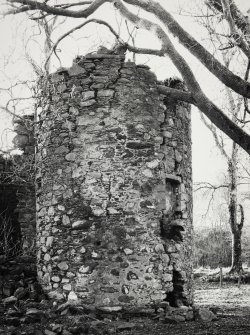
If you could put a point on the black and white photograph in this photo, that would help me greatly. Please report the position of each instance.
(124, 167)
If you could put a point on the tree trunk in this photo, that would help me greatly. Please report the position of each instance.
(235, 224)
(236, 252)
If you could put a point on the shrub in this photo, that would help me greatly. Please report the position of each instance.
(212, 248)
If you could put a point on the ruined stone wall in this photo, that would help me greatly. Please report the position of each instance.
(113, 187)
(18, 216)
(9, 228)
(17, 191)
(24, 167)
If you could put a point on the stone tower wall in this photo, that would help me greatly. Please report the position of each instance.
(114, 203)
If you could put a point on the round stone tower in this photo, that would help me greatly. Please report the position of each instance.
(114, 197)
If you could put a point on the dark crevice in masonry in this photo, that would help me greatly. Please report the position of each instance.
(176, 297)
(10, 230)
(169, 228)
(176, 166)
(172, 232)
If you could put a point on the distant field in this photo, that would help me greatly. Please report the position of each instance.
(229, 298)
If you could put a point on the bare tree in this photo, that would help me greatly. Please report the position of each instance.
(18, 94)
(238, 29)
(234, 171)
(239, 109)
(234, 207)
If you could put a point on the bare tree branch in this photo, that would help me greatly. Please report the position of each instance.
(35, 5)
(206, 185)
(7, 110)
(18, 10)
(228, 16)
(215, 114)
(200, 100)
(174, 93)
(228, 78)
(215, 136)
(129, 47)
(80, 3)
(238, 38)
(239, 19)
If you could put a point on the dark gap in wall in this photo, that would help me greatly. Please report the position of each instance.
(176, 297)
(10, 231)
(171, 231)
(175, 234)
(176, 166)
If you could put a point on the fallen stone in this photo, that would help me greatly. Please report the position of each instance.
(65, 306)
(125, 326)
(179, 318)
(20, 293)
(9, 300)
(55, 295)
(75, 330)
(49, 332)
(170, 319)
(56, 328)
(205, 314)
(164, 304)
(109, 308)
(32, 311)
(66, 332)
(38, 332)
(190, 315)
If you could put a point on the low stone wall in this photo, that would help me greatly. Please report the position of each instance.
(10, 234)
(17, 194)
(114, 203)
